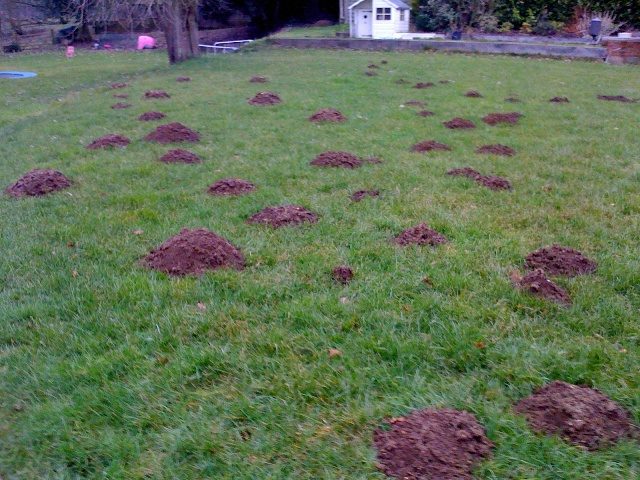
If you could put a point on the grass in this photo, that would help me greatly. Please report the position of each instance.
(312, 32)
(108, 370)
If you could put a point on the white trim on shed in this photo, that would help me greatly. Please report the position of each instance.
(378, 18)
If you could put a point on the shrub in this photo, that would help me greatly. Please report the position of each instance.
(544, 27)
(435, 15)
(506, 27)
(12, 48)
(488, 23)
(525, 27)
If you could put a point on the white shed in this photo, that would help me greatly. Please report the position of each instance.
(379, 18)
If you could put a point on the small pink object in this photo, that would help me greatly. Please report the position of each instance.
(146, 42)
(71, 51)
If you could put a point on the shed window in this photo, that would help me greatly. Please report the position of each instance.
(402, 15)
(383, 14)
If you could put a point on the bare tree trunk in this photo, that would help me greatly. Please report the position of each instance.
(177, 19)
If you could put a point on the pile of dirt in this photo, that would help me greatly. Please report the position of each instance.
(371, 73)
(337, 159)
(342, 274)
(258, 79)
(579, 414)
(414, 103)
(183, 79)
(438, 444)
(616, 98)
(459, 123)
(38, 182)
(265, 98)
(156, 94)
(373, 65)
(425, 113)
(120, 106)
(121, 95)
(421, 85)
(328, 115)
(231, 187)
(496, 149)
(384, 62)
(430, 145)
(494, 182)
(283, 215)
(150, 116)
(473, 94)
(420, 235)
(464, 172)
(119, 85)
(512, 100)
(180, 156)
(360, 194)
(107, 141)
(557, 260)
(538, 284)
(192, 252)
(173, 133)
(559, 100)
(496, 118)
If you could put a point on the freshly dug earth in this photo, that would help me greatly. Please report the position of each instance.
(156, 94)
(473, 94)
(192, 252)
(150, 116)
(538, 284)
(328, 115)
(337, 160)
(259, 79)
(107, 141)
(121, 95)
(231, 187)
(430, 145)
(465, 172)
(119, 85)
(425, 113)
(38, 182)
(360, 194)
(172, 133)
(373, 65)
(420, 235)
(557, 260)
(120, 106)
(616, 98)
(371, 73)
(283, 215)
(180, 156)
(421, 85)
(342, 274)
(559, 100)
(496, 149)
(496, 118)
(414, 103)
(459, 123)
(579, 414)
(265, 98)
(494, 182)
(432, 444)
(183, 79)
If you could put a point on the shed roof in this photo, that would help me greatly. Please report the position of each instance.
(396, 3)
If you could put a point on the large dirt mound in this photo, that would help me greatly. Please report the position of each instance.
(108, 141)
(437, 444)
(192, 252)
(616, 98)
(496, 118)
(283, 215)
(496, 149)
(258, 79)
(342, 274)
(559, 100)
(180, 156)
(473, 94)
(38, 182)
(265, 98)
(422, 85)
(151, 116)
(579, 414)
(156, 94)
(328, 115)
(119, 85)
(459, 123)
(429, 146)
(173, 133)
(337, 160)
(231, 187)
(120, 106)
(360, 194)
(538, 284)
(420, 235)
(557, 260)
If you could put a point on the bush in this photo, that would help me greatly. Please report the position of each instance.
(12, 48)
(544, 27)
(435, 16)
(525, 27)
(488, 23)
(506, 27)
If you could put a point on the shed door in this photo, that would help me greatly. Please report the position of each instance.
(364, 23)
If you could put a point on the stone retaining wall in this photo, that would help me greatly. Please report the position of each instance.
(622, 50)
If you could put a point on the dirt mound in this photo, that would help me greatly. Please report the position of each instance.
(557, 260)
(265, 98)
(120, 106)
(422, 85)
(465, 172)
(496, 118)
(337, 159)
(473, 94)
(150, 116)
(615, 98)
(121, 95)
(559, 100)
(183, 79)
(180, 156)
(438, 444)
(496, 149)
(342, 274)
(489, 181)
(430, 145)
(371, 73)
(425, 113)
(414, 103)
(107, 141)
(328, 115)
(512, 100)
(38, 182)
(373, 65)
(538, 284)
(192, 252)
(459, 123)
(360, 194)
(156, 94)
(258, 79)
(579, 414)
(231, 187)
(172, 133)
(283, 215)
(384, 62)
(420, 235)
(119, 85)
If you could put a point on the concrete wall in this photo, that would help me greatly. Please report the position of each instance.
(622, 50)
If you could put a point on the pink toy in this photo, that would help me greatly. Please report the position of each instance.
(146, 42)
(71, 51)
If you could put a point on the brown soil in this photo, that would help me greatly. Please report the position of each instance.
(557, 260)
(111, 140)
(150, 116)
(465, 172)
(473, 94)
(579, 414)
(421, 85)
(559, 100)
(327, 115)
(121, 95)
(494, 182)
(371, 73)
(337, 159)
(538, 284)
(430, 145)
(119, 85)
(258, 79)
(342, 274)
(420, 235)
(183, 79)
(615, 98)
(459, 123)
(496, 118)
(283, 215)
(373, 65)
(512, 100)
(231, 187)
(180, 156)
(425, 113)
(384, 62)
(156, 94)
(265, 98)
(192, 252)
(38, 182)
(414, 103)
(496, 149)
(172, 133)
(120, 106)
(360, 194)
(437, 444)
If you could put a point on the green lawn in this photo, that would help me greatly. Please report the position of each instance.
(311, 32)
(114, 372)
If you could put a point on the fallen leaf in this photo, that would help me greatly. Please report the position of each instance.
(480, 345)
(71, 244)
(201, 306)
(427, 281)
(334, 352)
